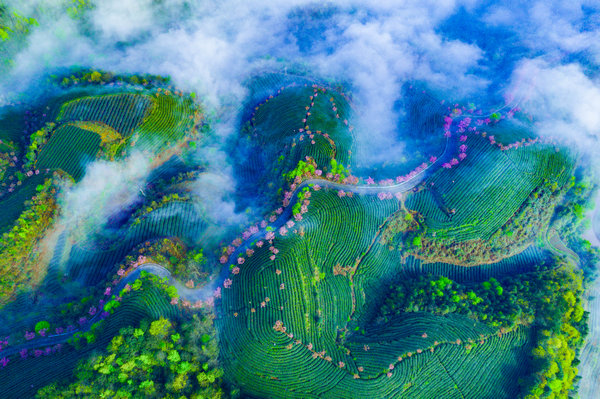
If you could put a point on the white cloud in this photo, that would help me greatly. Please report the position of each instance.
(121, 20)
(562, 99)
(106, 188)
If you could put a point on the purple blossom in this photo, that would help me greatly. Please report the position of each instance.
(92, 311)
(463, 138)
(454, 161)
(462, 155)
(446, 165)
(270, 235)
(463, 148)
(82, 320)
(4, 361)
(432, 159)
(29, 335)
(23, 353)
(370, 180)
(108, 289)
(59, 330)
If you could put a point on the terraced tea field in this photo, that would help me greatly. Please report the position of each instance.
(297, 296)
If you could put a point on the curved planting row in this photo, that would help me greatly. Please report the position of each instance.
(485, 180)
(69, 149)
(123, 111)
(291, 317)
(173, 220)
(171, 118)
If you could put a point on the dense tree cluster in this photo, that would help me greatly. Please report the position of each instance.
(157, 359)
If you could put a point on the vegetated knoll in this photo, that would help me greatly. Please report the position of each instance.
(298, 318)
(111, 125)
(298, 123)
(486, 208)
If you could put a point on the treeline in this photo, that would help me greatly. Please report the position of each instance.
(84, 77)
(571, 219)
(549, 301)
(19, 263)
(157, 359)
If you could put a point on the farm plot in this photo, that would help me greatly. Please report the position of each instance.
(69, 149)
(475, 198)
(168, 121)
(123, 111)
(292, 319)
